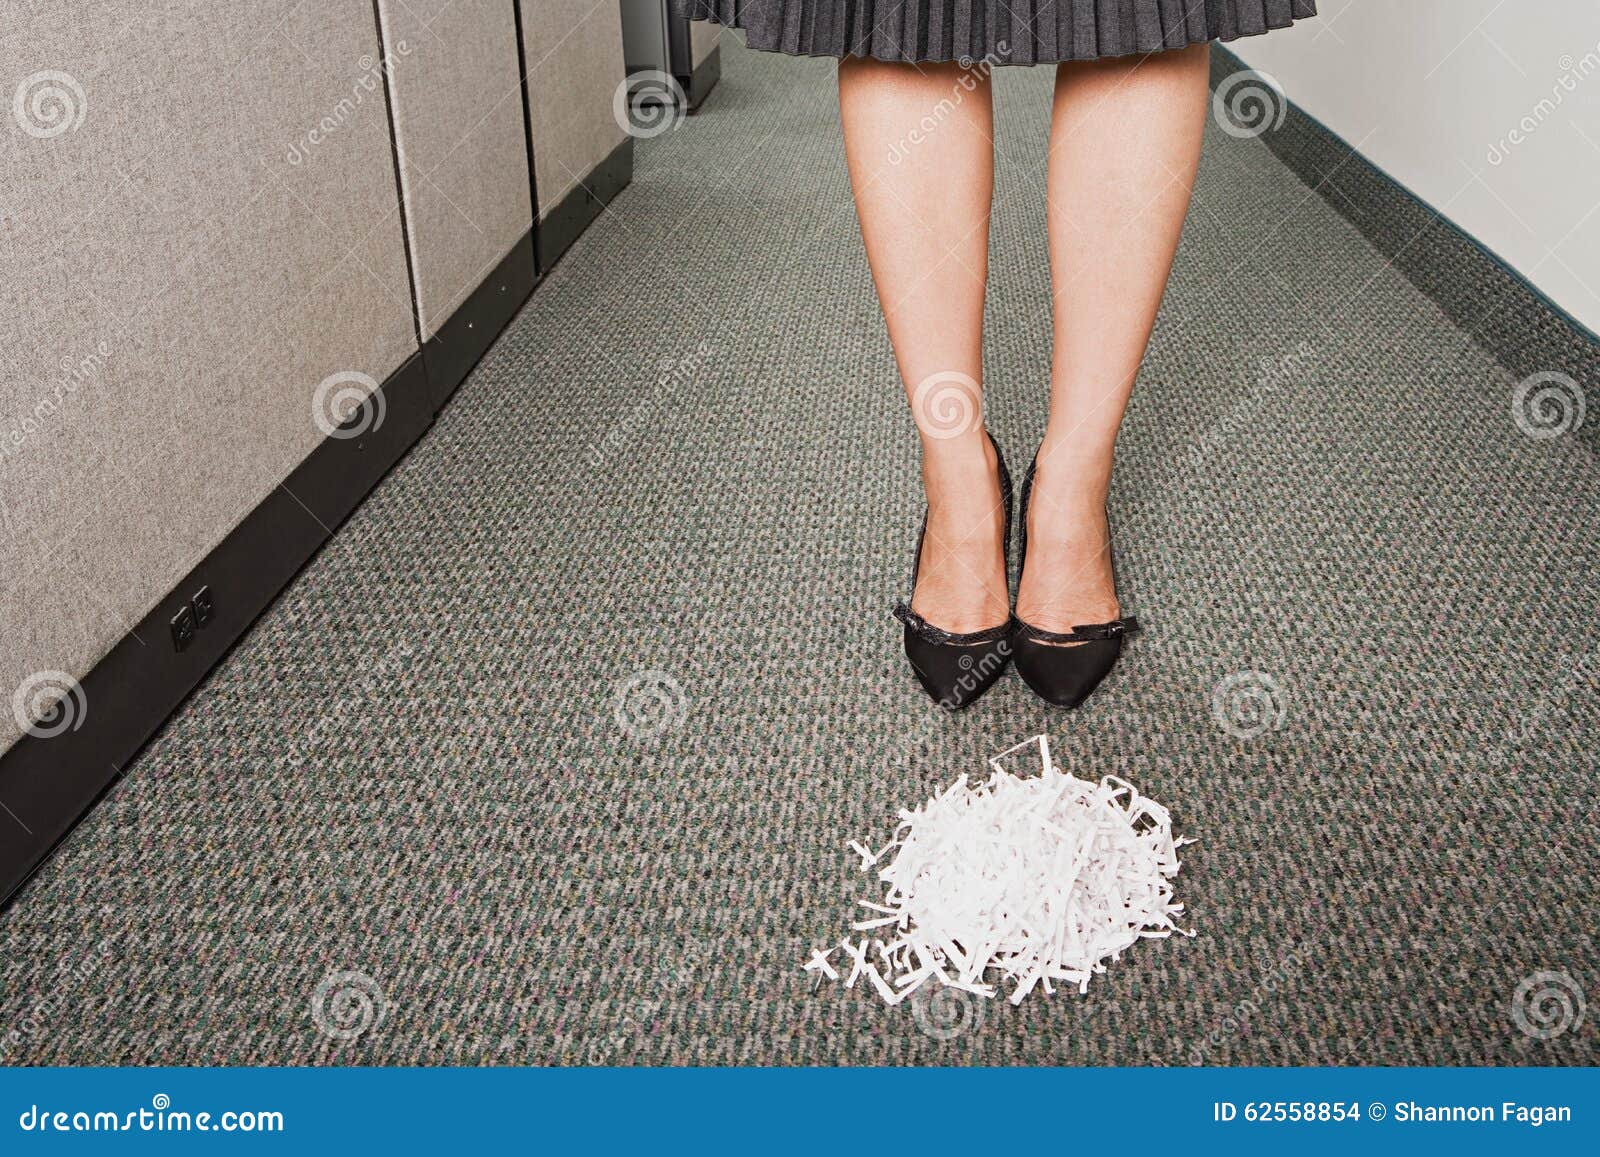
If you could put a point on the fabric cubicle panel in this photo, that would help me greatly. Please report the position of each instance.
(704, 37)
(573, 50)
(202, 246)
(456, 89)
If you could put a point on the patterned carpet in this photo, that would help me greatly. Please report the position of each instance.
(690, 440)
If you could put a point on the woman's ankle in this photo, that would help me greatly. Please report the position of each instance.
(1070, 473)
(959, 460)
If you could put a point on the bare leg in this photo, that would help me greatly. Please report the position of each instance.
(1125, 144)
(918, 142)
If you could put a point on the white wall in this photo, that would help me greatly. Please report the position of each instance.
(1489, 110)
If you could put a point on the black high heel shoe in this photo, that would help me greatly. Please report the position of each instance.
(956, 669)
(1064, 667)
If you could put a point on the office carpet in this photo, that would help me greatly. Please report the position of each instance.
(551, 756)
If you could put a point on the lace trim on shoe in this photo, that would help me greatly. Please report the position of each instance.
(1090, 633)
(929, 633)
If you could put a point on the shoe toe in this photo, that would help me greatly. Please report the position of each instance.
(954, 676)
(1066, 675)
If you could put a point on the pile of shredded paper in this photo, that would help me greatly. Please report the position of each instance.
(1032, 879)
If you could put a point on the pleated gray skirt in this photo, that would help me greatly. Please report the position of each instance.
(997, 31)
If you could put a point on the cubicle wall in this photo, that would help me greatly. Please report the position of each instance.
(573, 55)
(655, 39)
(183, 267)
(705, 60)
(461, 146)
(704, 39)
(234, 290)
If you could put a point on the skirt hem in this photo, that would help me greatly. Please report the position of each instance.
(998, 62)
(901, 32)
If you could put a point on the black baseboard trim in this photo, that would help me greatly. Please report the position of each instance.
(699, 83)
(578, 209)
(450, 354)
(48, 782)
(1491, 302)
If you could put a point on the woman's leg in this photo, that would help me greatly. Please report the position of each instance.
(918, 142)
(1125, 142)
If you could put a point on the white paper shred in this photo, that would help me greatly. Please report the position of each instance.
(1019, 881)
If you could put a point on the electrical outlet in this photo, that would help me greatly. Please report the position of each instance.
(203, 606)
(183, 627)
